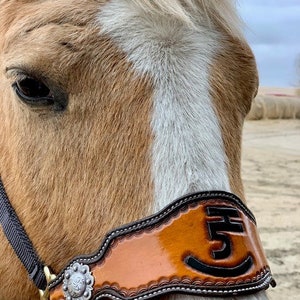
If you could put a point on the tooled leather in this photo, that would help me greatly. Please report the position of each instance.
(152, 256)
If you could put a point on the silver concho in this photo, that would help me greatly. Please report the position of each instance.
(78, 282)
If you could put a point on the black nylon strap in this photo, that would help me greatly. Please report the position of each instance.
(20, 241)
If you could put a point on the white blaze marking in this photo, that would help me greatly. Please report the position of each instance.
(188, 152)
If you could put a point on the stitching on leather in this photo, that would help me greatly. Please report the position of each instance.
(213, 195)
(193, 291)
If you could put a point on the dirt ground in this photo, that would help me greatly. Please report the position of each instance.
(271, 173)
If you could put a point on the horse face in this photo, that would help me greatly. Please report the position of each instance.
(93, 135)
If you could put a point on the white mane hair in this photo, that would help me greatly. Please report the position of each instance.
(221, 12)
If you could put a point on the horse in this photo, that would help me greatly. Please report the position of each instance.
(109, 111)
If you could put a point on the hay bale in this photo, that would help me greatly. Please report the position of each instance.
(257, 109)
(274, 107)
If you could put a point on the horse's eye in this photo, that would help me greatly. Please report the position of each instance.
(33, 91)
(33, 88)
(39, 92)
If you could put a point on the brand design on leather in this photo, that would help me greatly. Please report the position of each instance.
(205, 244)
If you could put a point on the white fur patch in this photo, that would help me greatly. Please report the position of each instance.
(188, 152)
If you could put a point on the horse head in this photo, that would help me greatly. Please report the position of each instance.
(110, 110)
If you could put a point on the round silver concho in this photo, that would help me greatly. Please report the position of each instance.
(78, 282)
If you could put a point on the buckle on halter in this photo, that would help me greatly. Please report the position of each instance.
(44, 294)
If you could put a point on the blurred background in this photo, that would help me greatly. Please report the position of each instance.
(273, 31)
(271, 140)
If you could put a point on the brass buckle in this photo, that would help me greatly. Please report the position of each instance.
(44, 295)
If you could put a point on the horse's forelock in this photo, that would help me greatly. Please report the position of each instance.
(222, 13)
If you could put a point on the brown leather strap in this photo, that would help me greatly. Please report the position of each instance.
(205, 244)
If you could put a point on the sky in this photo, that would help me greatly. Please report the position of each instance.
(273, 32)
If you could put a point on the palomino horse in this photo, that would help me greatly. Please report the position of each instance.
(110, 110)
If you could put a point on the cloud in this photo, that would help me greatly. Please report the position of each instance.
(273, 31)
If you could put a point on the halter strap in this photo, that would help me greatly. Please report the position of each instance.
(203, 244)
(20, 241)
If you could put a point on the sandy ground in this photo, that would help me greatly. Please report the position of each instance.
(271, 173)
